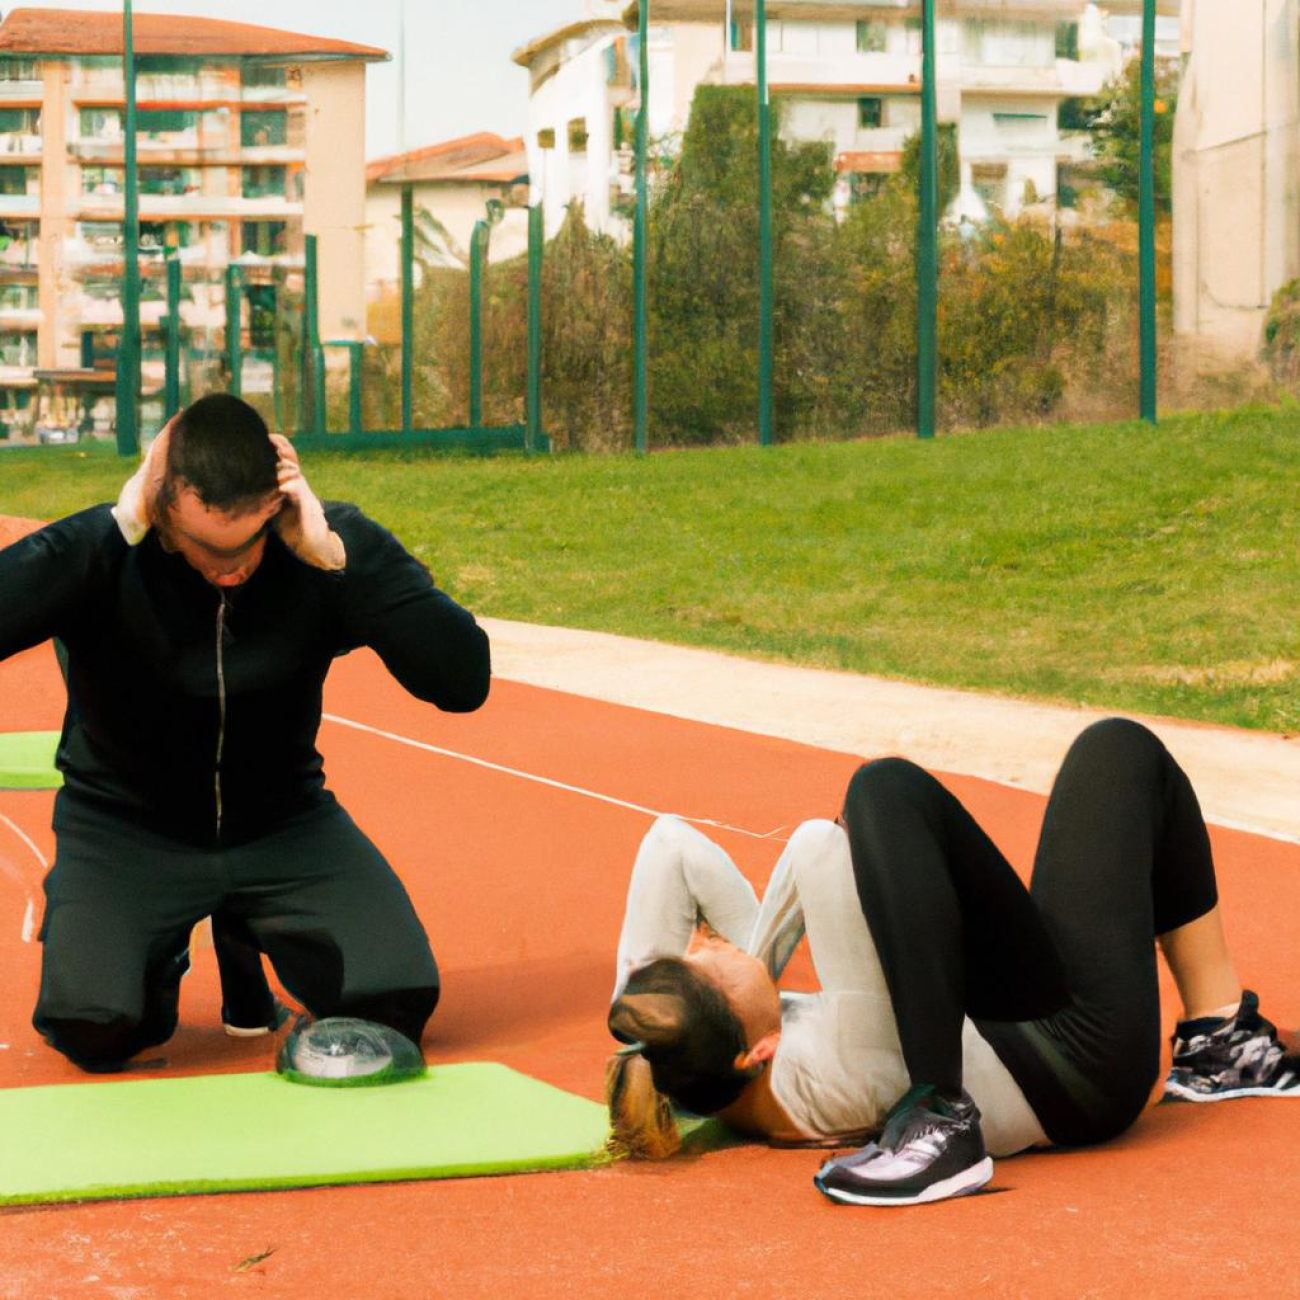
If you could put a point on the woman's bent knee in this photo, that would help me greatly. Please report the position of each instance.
(885, 778)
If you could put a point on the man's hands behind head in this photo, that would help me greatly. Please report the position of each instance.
(301, 522)
(136, 510)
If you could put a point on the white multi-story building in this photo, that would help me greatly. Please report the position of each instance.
(1236, 168)
(845, 73)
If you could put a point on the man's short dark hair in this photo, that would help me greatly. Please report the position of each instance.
(221, 447)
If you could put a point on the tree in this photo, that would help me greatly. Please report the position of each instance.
(1114, 121)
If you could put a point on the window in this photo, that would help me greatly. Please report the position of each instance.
(170, 180)
(990, 183)
(914, 34)
(871, 112)
(263, 182)
(101, 123)
(18, 243)
(18, 349)
(265, 238)
(261, 74)
(998, 43)
(153, 123)
(1067, 41)
(158, 236)
(102, 180)
(872, 36)
(261, 315)
(866, 185)
(18, 297)
(262, 127)
(578, 135)
(1020, 123)
(13, 180)
(742, 35)
(18, 70)
(20, 121)
(101, 236)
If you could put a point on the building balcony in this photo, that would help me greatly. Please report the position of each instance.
(20, 255)
(184, 207)
(25, 91)
(26, 146)
(24, 206)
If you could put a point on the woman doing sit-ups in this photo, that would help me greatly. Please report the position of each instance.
(959, 1013)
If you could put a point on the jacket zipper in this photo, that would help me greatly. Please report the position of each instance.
(221, 705)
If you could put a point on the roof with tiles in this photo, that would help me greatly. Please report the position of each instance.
(481, 157)
(71, 32)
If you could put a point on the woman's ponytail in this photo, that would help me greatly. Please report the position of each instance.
(640, 1117)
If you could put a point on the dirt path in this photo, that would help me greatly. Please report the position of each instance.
(1247, 780)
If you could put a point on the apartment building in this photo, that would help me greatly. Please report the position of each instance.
(845, 73)
(248, 138)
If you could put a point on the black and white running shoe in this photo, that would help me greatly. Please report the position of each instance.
(1217, 1059)
(931, 1149)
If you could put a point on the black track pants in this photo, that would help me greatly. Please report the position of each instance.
(1060, 978)
(315, 895)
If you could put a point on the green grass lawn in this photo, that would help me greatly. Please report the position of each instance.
(1133, 568)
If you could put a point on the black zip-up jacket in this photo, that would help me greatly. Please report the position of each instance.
(193, 710)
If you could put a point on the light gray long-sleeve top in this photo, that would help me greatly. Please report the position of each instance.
(839, 1066)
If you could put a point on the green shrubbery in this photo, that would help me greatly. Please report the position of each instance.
(1025, 318)
(1282, 335)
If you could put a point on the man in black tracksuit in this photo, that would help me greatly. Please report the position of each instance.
(199, 617)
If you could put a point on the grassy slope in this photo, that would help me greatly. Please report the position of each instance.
(1117, 565)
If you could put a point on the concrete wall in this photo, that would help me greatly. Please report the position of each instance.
(334, 201)
(456, 206)
(1236, 169)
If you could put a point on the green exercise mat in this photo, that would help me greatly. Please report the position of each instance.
(27, 760)
(240, 1132)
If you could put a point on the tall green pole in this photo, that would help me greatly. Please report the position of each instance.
(536, 238)
(355, 365)
(408, 302)
(127, 386)
(312, 340)
(927, 250)
(234, 330)
(764, 229)
(1147, 219)
(172, 340)
(640, 228)
(476, 242)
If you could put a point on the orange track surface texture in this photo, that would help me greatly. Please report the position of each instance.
(521, 887)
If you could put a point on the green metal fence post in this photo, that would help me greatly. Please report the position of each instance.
(536, 239)
(127, 386)
(311, 331)
(355, 350)
(234, 330)
(477, 240)
(408, 302)
(640, 229)
(764, 229)
(927, 251)
(172, 340)
(1147, 219)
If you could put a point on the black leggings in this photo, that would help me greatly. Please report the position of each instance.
(1059, 978)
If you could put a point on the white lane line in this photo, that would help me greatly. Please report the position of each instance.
(544, 780)
(29, 912)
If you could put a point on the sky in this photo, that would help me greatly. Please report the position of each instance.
(459, 76)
